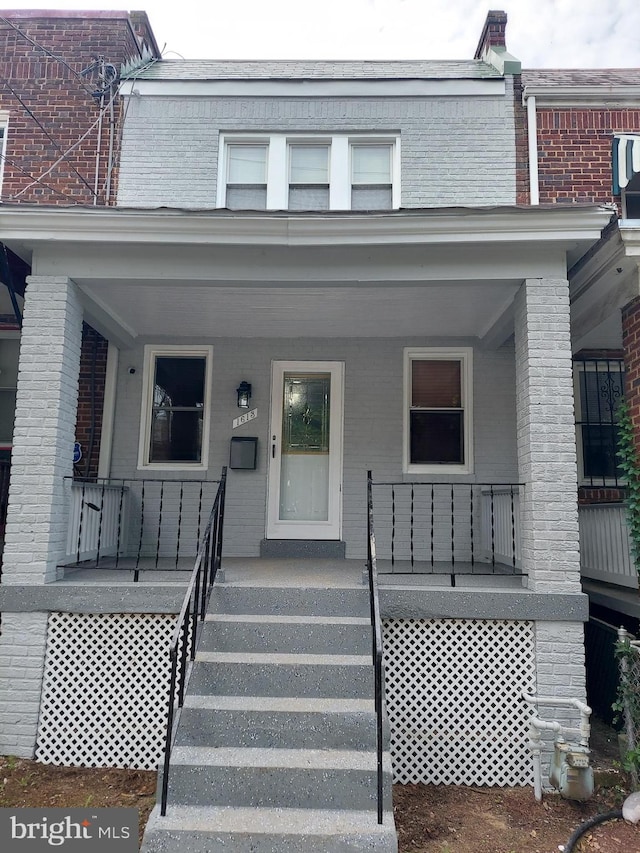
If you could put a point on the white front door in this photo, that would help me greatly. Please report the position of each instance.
(305, 470)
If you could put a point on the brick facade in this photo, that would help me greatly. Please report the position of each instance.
(52, 105)
(51, 110)
(574, 152)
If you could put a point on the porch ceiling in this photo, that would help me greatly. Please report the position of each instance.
(386, 309)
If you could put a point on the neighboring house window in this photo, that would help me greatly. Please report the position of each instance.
(438, 394)
(296, 172)
(3, 148)
(631, 199)
(599, 387)
(175, 407)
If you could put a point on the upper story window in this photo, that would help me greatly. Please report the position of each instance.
(599, 387)
(301, 172)
(438, 410)
(174, 430)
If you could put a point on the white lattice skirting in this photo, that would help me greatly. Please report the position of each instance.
(452, 688)
(105, 690)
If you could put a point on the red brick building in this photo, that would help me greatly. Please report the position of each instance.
(60, 122)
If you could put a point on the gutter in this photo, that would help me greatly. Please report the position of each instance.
(529, 101)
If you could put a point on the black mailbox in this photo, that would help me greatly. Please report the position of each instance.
(244, 452)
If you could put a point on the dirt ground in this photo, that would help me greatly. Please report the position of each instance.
(429, 819)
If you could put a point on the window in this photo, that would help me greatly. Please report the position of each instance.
(175, 408)
(438, 410)
(302, 172)
(371, 187)
(308, 177)
(3, 148)
(599, 387)
(631, 199)
(247, 177)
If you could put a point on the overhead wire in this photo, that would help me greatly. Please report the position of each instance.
(71, 147)
(37, 180)
(31, 114)
(47, 51)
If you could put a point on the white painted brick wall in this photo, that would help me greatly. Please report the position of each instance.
(44, 431)
(455, 150)
(372, 428)
(22, 652)
(546, 436)
(560, 672)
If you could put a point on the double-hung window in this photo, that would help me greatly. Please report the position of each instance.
(309, 172)
(247, 176)
(438, 393)
(175, 407)
(308, 177)
(371, 177)
(599, 389)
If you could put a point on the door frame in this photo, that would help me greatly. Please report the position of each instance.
(310, 530)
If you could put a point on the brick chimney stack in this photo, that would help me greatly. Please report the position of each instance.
(493, 33)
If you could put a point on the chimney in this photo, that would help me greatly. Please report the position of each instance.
(493, 33)
(492, 47)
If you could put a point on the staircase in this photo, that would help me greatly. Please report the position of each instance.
(275, 749)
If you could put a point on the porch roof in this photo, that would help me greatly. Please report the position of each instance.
(175, 272)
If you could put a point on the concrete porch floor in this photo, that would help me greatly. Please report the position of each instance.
(292, 571)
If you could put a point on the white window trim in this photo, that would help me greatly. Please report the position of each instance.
(4, 124)
(465, 356)
(339, 164)
(151, 352)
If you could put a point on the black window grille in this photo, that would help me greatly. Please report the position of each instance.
(600, 389)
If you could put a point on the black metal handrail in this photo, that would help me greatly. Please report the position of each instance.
(376, 631)
(190, 619)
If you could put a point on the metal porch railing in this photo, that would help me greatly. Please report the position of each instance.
(136, 523)
(192, 613)
(447, 528)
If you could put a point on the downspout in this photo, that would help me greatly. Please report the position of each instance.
(532, 136)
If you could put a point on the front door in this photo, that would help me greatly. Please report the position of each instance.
(305, 472)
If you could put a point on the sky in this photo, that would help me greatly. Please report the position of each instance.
(540, 33)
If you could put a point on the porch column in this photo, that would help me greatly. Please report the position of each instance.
(44, 430)
(546, 437)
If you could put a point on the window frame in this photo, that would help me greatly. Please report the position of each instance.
(278, 160)
(580, 365)
(4, 127)
(465, 356)
(151, 353)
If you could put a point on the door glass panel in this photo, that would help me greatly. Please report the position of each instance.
(304, 474)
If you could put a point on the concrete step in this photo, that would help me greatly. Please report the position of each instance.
(264, 830)
(289, 600)
(294, 634)
(246, 721)
(303, 676)
(285, 778)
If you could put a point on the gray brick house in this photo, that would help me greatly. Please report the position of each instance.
(344, 238)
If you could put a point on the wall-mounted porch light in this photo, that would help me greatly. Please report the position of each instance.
(244, 394)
